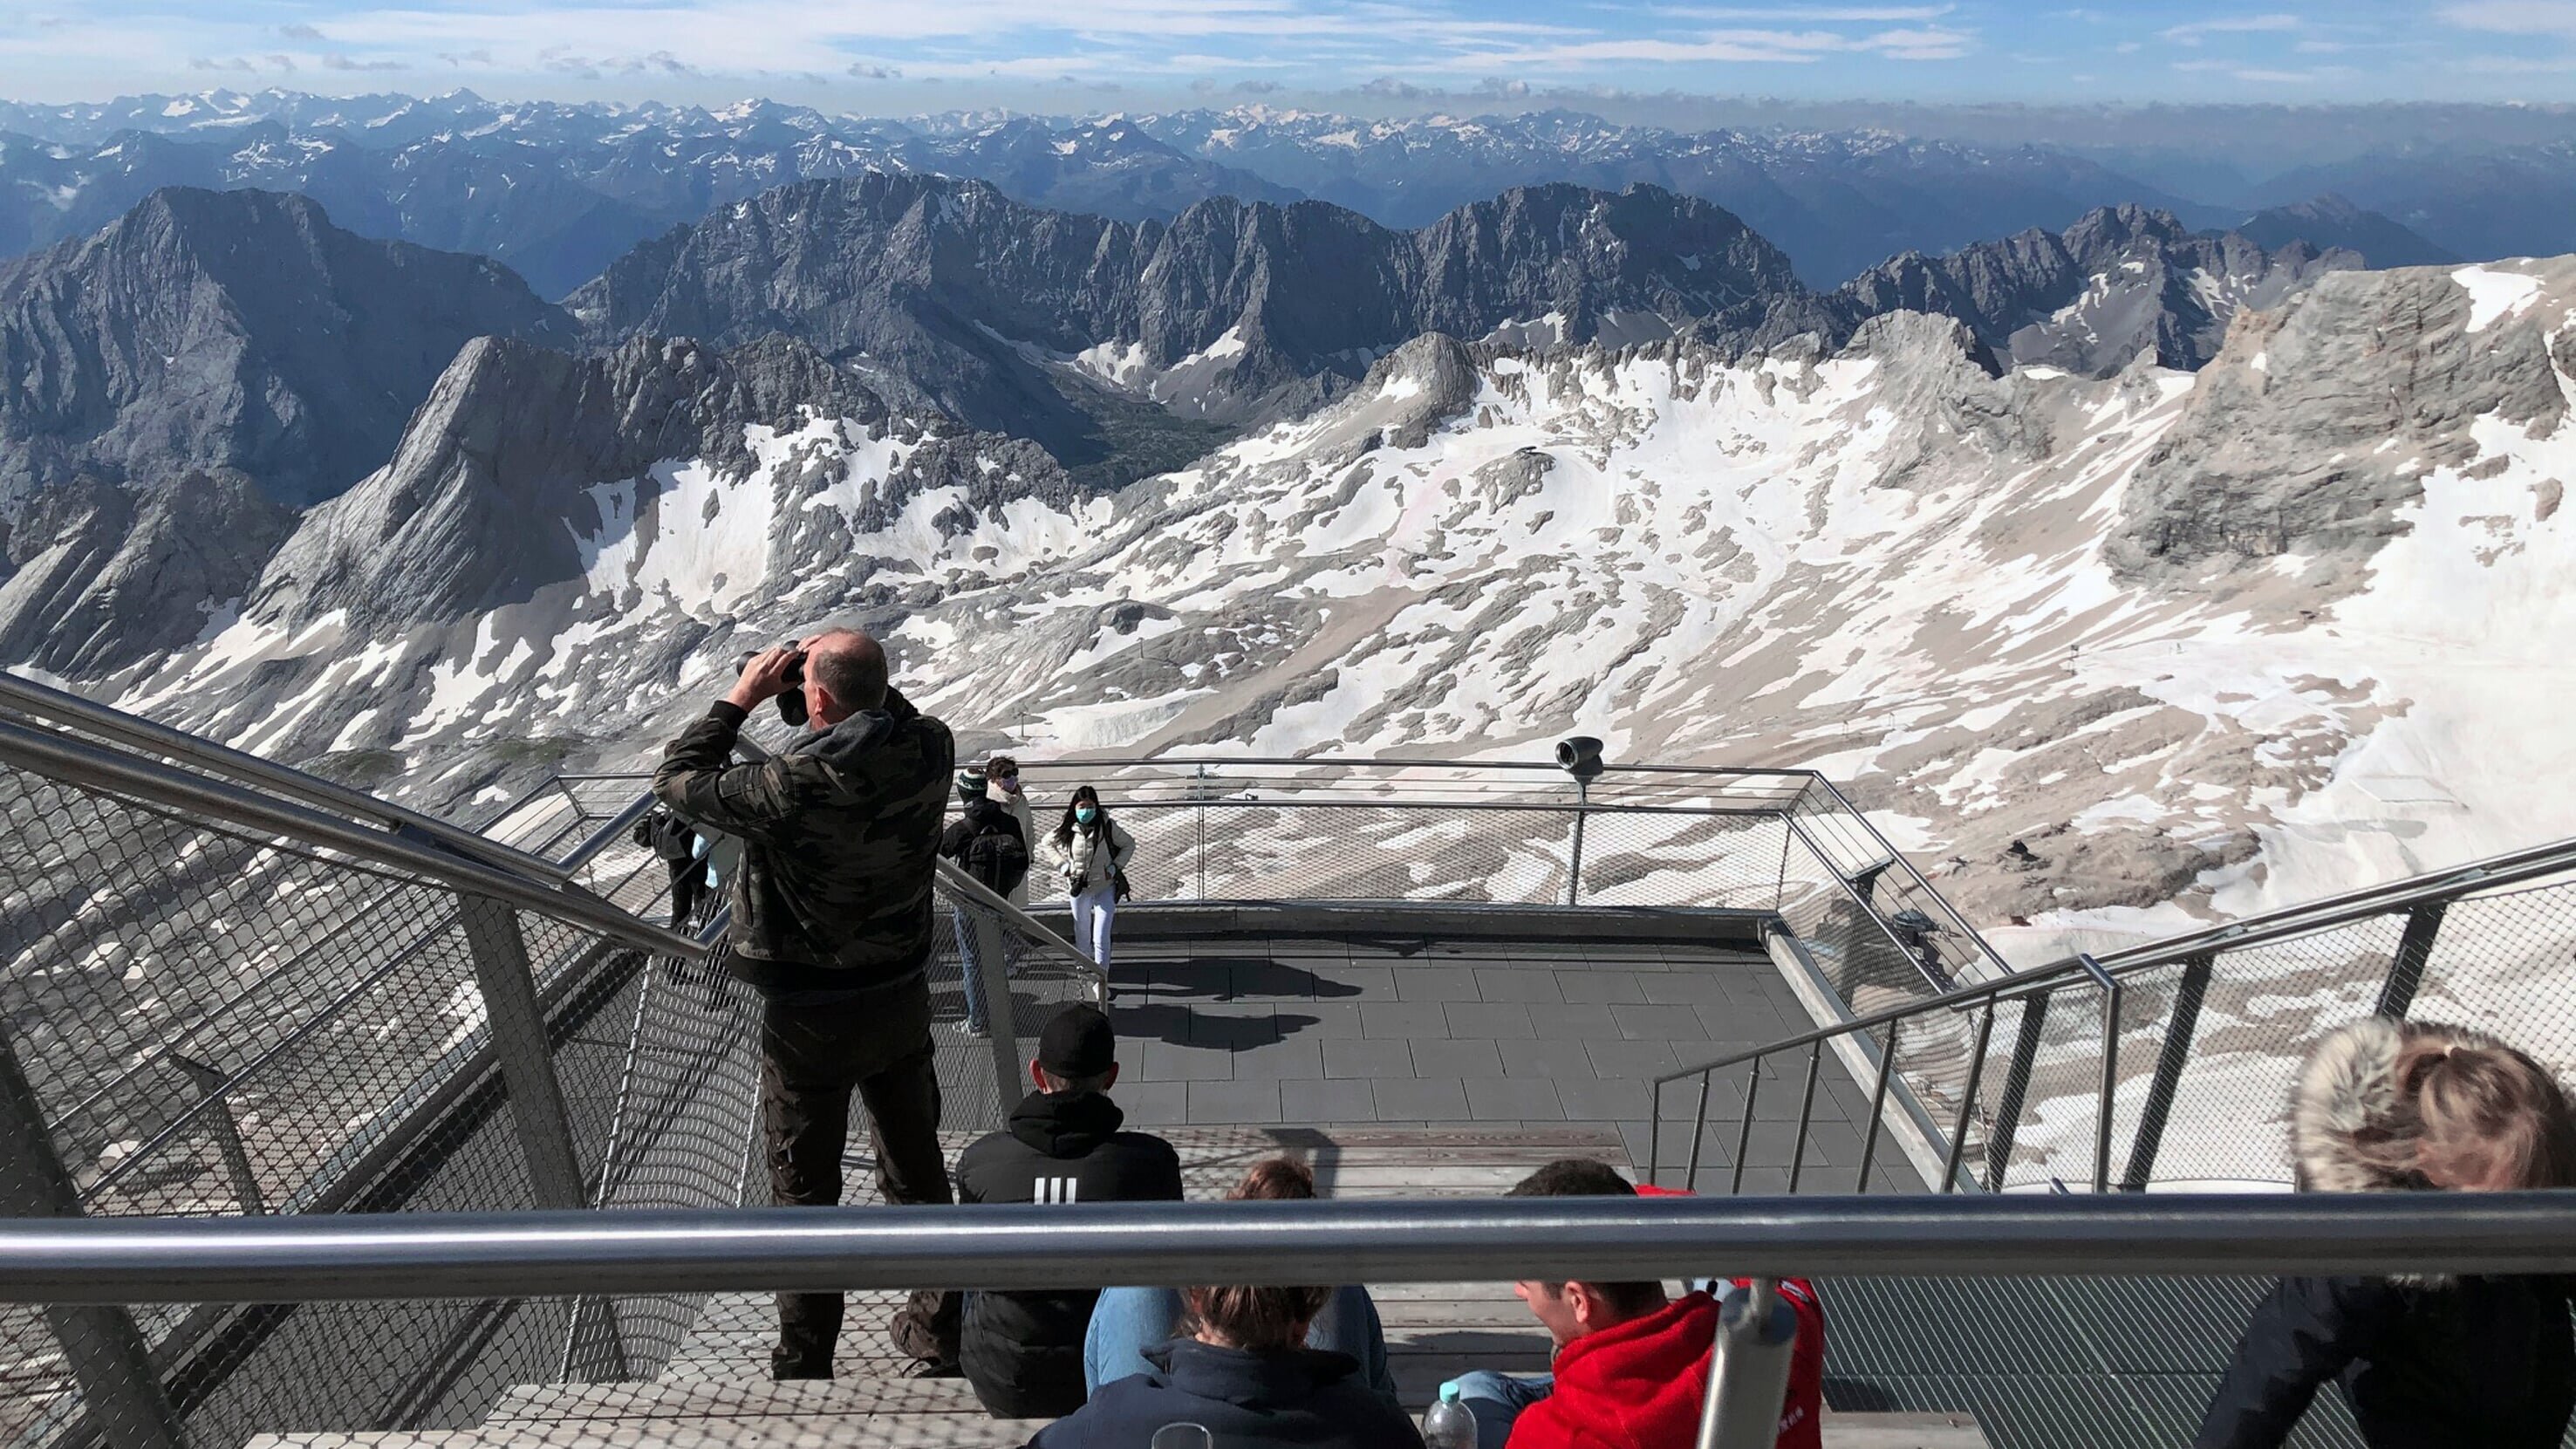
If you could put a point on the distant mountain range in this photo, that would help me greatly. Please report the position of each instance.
(559, 191)
(1068, 329)
(242, 336)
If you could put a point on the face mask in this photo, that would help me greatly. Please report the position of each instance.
(1085, 814)
(1010, 784)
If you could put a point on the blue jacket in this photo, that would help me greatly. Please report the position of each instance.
(1296, 1399)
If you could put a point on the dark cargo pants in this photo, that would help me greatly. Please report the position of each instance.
(812, 1057)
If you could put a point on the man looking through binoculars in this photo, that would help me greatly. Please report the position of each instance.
(832, 927)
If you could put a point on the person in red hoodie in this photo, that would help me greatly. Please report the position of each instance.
(1631, 1365)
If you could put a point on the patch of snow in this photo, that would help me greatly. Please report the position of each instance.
(2495, 295)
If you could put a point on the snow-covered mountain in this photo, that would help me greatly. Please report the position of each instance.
(2221, 639)
(1835, 201)
(556, 191)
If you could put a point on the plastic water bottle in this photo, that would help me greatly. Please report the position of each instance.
(1447, 1424)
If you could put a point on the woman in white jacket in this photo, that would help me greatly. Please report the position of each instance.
(1090, 852)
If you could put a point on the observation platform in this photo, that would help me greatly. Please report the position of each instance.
(1507, 1018)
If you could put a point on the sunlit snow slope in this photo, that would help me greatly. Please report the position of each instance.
(2223, 640)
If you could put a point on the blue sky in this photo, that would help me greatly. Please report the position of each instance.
(896, 55)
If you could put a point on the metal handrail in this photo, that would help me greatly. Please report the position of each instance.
(986, 898)
(1245, 801)
(28, 697)
(59, 1261)
(2171, 951)
(80, 762)
(1357, 762)
(2107, 974)
(1958, 923)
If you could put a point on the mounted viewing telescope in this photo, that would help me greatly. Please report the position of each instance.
(1580, 756)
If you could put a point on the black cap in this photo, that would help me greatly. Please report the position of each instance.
(1078, 1043)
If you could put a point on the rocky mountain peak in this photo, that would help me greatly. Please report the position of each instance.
(232, 332)
(2280, 453)
(1111, 342)
(470, 511)
(2122, 281)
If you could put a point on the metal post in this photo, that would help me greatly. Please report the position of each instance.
(1968, 1099)
(228, 1140)
(1574, 872)
(519, 1042)
(109, 1357)
(2170, 1060)
(1877, 1104)
(1201, 791)
(1743, 1129)
(1748, 1369)
(1999, 1143)
(1699, 1130)
(2110, 987)
(2406, 973)
(1000, 1013)
(1806, 1113)
(583, 1308)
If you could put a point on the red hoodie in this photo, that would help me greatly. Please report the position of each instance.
(1640, 1385)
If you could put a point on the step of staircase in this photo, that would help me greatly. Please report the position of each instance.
(715, 1392)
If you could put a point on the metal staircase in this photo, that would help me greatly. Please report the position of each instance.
(260, 1028)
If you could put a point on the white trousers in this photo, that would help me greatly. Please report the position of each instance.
(1093, 910)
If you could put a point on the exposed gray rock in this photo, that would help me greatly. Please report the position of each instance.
(231, 332)
(2318, 421)
(100, 576)
(2120, 282)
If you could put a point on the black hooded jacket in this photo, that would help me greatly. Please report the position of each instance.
(1023, 1351)
(2426, 1363)
(2484, 1362)
(1247, 1399)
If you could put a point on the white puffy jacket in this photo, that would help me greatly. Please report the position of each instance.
(1082, 864)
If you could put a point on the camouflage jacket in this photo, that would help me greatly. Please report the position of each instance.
(840, 842)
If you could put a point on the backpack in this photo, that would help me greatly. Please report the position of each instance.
(997, 857)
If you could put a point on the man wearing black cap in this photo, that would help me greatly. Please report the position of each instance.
(1023, 1351)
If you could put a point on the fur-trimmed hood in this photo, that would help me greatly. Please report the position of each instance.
(2347, 1093)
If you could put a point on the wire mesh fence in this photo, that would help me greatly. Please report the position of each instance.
(2189, 1059)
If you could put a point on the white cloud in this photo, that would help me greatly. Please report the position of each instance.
(2514, 17)
(1812, 15)
(2265, 75)
(1759, 47)
(2193, 33)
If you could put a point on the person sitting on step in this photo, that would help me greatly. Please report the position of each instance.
(1022, 1351)
(1128, 1323)
(1246, 1375)
(1631, 1369)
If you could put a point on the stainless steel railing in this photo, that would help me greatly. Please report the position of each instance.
(77, 1271)
(1368, 1240)
(26, 697)
(2378, 945)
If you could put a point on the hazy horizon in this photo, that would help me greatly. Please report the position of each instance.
(908, 56)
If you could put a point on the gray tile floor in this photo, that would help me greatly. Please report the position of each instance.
(1397, 1030)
